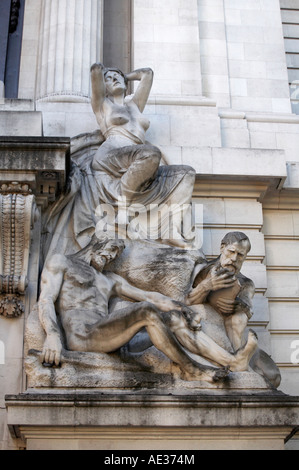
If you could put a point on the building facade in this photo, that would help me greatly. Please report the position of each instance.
(224, 101)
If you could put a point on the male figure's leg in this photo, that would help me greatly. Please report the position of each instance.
(114, 331)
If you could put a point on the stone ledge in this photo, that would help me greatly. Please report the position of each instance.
(19, 123)
(100, 421)
(153, 439)
(12, 104)
(178, 100)
(286, 118)
(221, 162)
(151, 409)
(40, 162)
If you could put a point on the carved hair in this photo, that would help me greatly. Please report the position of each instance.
(96, 245)
(235, 237)
(113, 69)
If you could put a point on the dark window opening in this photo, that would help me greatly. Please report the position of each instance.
(117, 34)
(290, 26)
(11, 30)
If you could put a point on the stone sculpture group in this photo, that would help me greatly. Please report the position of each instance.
(111, 286)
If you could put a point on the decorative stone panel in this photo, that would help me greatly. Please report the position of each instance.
(17, 208)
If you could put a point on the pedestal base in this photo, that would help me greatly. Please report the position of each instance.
(152, 421)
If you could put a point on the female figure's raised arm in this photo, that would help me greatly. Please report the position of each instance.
(98, 87)
(141, 95)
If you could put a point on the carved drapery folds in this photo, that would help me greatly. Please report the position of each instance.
(17, 207)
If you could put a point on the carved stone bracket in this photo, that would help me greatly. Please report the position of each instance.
(32, 174)
(16, 220)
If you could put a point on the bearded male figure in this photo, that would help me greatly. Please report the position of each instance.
(224, 287)
(221, 285)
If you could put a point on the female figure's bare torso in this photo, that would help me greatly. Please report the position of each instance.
(121, 126)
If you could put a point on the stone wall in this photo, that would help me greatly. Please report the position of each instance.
(220, 103)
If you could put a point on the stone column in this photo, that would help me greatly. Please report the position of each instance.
(70, 41)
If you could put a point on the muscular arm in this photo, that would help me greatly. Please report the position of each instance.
(51, 281)
(199, 294)
(143, 90)
(125, 290)
(212, 282)
(98, 87)
(244, 299)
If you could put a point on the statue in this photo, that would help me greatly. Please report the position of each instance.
(75, 312)
(217, 291)
(120, 171)
(193, 311)
(75, 287)
(128, 168)
(222, 285)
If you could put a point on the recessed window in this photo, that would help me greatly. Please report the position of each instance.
(117, 37)
(290, 24)
(11, 29)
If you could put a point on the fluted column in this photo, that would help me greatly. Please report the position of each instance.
(70, 42)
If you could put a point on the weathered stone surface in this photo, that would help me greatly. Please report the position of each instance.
(20, 123)
(94, 420)
(150, 371)
(244, 73)
(93, 408)
(38, 162)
